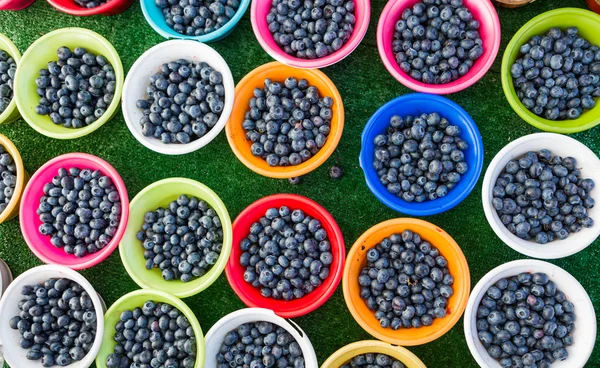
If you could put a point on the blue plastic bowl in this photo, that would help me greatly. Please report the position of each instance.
(416, 104)
(156, 19)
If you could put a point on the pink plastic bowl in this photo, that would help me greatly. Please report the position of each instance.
(39, 244)
(15, 4)
(258, 15)
(482, 10)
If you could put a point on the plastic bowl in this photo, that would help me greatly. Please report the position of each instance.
(11, 113)
(457, 265)
(156, 20)
(584, 333)
(15, 4)
(345, 354)
(298, 307)
(559, 145)
(258, 15)
(149, 64)
(588, 23)
(12, 209)
(134, 300)
(483, 11)
(160, 194)
(5, 277)
(244, 91)
(111, 7)
(215, 336)
(37, 57)
(416, 104)
(9, 338)
(39, 244)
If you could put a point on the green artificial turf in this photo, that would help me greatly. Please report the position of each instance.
(364, 85)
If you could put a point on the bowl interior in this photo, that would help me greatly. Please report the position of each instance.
(40, 244)
(244, 91)
(348, 352)
(13, 206)
(69, 7)
(416, 104)
(588, 24)
(37, 57)
(160, 194)
(250, 295)
(9, 114)
(482, 10)
(457, 265)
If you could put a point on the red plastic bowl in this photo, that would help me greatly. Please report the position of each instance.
(112, 7)
(298, 307)
(15, 4)
(482, 10)
(30, 221)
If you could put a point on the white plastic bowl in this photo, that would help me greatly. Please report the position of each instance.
(584, 334)
(9, 338)
(5, 277)
(147, 65)
(559, 145)
(214, 337)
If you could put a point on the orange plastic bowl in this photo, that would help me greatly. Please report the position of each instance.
(457, 265)
(276, 71)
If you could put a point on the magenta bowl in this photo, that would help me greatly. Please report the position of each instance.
(258, 15)
(482, 10)
(15, 4)
(39, 244)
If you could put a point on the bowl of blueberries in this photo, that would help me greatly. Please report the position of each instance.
(86, 8)
(9, 58)
(178, 238)
(151, 328)
(203, 21)
(77, 209)
(310, 34)
(51, 316)
(288, 255)
(421, 154)
(178, 96)
(13, 179)
(551, 71)
(530, 313)
(69, 83)
(438, 46)
(406, 282)
(373, 352)
(257, 337)
(538, 195)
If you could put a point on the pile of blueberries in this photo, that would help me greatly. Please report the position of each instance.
(184, 240)
(420, 158)
(80, 210)
(90, 3)
(75, 90)
(185, 101)
(558, 74)
(542, 197)
(406, 282)
(437, 41)
(525, 321)
(57, 322)
(155, 335)
(8, 67)
(287, 122)
(8, 174)
(286, 254)
(371, 360)
(260, 344)
(197, 17)
(311, 29)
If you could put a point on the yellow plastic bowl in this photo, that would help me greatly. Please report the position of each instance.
(12, 209)
(37, 57)
(11, 113)
(348, 352)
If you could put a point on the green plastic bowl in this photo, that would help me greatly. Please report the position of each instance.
(589, 28)
(11, 113)
(37, 57)
(136, 299)
(160, 194)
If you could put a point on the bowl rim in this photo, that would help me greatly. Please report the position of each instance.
(104, 9)
(21, 177)
(374, 346)
(316, 160)
(110, 110)
(130, 84)
(14, 52)
(453, 198)
(506, 79)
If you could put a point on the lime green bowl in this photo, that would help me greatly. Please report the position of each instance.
(134, 300)
(11, 113)
(160, 194)
(37, 56)
(589, 28)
